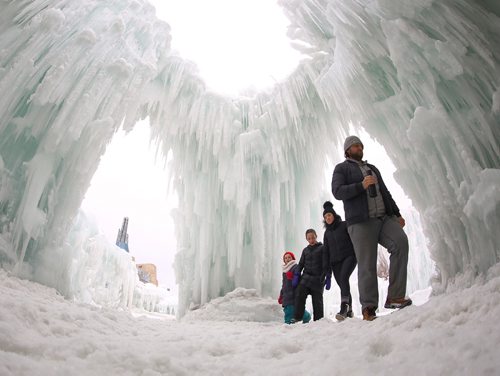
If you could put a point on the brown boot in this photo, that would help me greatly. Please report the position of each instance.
(369, 313)
(397, 303)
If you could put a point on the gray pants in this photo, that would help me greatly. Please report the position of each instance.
(365, 237)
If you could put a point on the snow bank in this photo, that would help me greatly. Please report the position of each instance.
(41, 333)
(238, 305)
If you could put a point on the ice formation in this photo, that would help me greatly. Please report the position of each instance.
(421, 76)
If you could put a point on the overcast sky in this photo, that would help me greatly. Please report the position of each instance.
(235, 43)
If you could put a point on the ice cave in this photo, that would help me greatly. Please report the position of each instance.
(421, 77)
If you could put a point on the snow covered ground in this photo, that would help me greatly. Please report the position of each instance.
(41, 333)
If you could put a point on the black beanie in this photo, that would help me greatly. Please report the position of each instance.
(328, 206)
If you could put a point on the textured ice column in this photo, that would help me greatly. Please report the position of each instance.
(422, 78)
(73, 71)
(247, 173)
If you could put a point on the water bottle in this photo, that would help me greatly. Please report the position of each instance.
(372, 190)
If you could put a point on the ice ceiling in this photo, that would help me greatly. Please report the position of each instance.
(421, 76)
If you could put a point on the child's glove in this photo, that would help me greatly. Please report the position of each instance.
(295, 280)
(280, 299)
(289, 275)
(328, 282)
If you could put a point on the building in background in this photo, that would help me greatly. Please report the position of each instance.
(122, 238)
(147, 273)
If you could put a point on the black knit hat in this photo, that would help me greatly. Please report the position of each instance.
(328, 206)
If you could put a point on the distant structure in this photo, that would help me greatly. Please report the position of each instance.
(122, 238)
(147, 273)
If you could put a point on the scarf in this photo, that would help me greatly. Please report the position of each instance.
(288, 266)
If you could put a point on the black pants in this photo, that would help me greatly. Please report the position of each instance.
(342, 270)
(300, 301)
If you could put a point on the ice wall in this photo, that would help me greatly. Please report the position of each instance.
(420, 76)
(87, 268)
(70, 74)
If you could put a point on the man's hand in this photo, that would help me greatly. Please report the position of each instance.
(369, 180)
(401, 221)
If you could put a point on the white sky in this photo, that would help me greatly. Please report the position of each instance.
(237, 44)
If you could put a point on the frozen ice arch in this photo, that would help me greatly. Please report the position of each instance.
(422, 77)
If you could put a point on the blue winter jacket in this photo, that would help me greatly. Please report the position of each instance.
(347, 186)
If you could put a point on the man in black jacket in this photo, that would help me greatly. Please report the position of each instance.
(372, 218)
(312, 279)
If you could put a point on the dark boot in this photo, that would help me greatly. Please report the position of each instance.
(349, 312)
(344, 311)
(369, 313)
(397, 303)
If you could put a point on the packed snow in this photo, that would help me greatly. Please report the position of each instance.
(41, 333)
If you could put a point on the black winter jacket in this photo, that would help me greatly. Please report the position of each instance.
(287, 291)
(337, 243)
(312, 267)
(347, 186)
